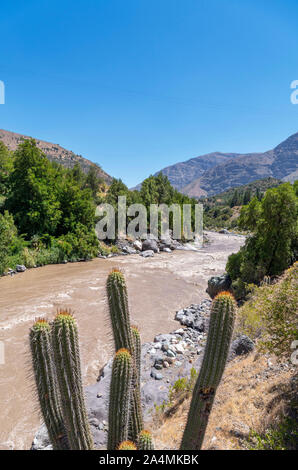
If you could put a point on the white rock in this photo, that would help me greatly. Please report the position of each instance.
(179, 348)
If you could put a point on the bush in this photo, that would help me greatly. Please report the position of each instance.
(271, 314)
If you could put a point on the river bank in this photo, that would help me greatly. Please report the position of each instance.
(158, 287)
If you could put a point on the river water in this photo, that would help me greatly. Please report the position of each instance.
(157, 287)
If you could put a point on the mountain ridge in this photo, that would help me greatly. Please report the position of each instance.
(215, 172)
(54, 152)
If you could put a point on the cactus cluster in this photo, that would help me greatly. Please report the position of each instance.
(128, 337)
(57, 372)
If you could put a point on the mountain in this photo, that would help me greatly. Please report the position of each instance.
(54, 152)
(217, 172)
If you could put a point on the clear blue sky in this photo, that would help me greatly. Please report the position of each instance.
(137, 85)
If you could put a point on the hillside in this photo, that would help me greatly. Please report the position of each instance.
(213, 173)
(54, 152)
(222, 210)
(281, 163)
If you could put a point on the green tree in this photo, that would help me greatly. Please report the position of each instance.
(6, 162)
(8, 235)
(271, 248)
(32, 197)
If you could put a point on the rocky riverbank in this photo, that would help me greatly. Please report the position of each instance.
(163, 361)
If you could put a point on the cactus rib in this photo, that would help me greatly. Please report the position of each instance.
(67, 357)
(46, 383)
(120, 394)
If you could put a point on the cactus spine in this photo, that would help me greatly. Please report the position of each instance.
(68, 366)
(127, 445)
(145, 441)
(219, 337)
(46, 383)
(120, 395)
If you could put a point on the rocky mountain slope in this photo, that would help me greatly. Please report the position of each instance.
(217, 172)
(54, 152)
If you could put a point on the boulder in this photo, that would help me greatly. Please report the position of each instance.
(147, 253)
(150, 245)
(241, 345)
(137, 244)
(129, 250)
(218, 284)
(20, 268)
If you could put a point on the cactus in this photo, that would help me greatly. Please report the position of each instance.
(46, 383)
(127, 445)
(120, 396)
(119, 312)
(68, 366)
(145, 441)
(129, 338)
(219, 337)
(136, 416)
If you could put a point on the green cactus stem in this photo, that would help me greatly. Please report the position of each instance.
(46, 383)
(68, 366)
(119, 311)
(145, 441)
(120, 396)
(221, 325)
(136, 416)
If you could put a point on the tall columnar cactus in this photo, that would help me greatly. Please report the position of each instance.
(120, 396)
(119, 312)
(127, 445)
(217, 348)
(68, 366)
(46, 383)
(129, 338)
(145, 441)
(136, 416)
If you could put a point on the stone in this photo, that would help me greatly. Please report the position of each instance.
(179, 348)
(158, 366)
(171, 353)
(20, 268)
(147, 253)
(166, 364)
(167, 250)
(129, 250)
(218, 284)
(152, 351)
(156, 375)
(150, 245)
(241, 345)
(137, 244)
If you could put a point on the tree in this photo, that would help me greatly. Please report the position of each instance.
(5, 168)
(32, 197)
(271, 248)
(8, 234)
(93, 180)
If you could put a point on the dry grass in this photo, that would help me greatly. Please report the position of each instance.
(252, 394)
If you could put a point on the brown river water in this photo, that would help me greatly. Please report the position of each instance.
(157, 287)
